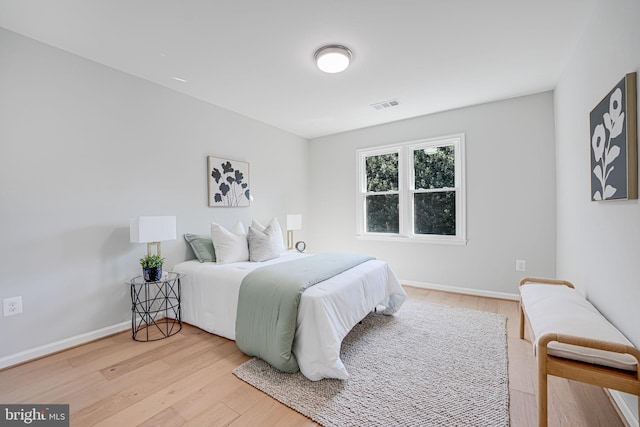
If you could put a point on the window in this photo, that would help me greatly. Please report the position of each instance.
(413, 191)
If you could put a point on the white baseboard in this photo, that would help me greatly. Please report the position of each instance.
(626, 411)
(458, 290)
(64, 344)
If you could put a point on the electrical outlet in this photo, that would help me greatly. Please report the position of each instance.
(12, 306)
(521, 265)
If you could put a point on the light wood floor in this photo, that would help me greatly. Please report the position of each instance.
(186, 380)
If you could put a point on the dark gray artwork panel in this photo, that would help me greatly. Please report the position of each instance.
(608, 125)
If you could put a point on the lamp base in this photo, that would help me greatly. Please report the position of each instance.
(157, 245)
(289, 239)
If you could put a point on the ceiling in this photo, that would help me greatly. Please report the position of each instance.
(255, 57)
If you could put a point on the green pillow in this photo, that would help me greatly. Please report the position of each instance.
(202, 246)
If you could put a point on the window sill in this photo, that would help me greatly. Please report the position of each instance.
(406, 239)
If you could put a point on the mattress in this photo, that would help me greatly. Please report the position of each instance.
(327, 311)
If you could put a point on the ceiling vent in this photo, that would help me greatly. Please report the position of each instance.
(385, 104)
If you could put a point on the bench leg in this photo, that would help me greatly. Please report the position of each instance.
(542, 389)
(521, 321)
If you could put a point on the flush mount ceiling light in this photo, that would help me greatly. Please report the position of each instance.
(333, 58)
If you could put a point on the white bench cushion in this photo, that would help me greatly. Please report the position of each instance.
(563, 310)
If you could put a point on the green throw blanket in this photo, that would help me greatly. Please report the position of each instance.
(268, 304)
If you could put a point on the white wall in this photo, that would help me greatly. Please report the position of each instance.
(598, 242)
(83, 148)
(510, 176)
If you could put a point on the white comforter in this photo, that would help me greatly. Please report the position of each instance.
(326, 313)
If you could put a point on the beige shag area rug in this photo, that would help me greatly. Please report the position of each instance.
(428, 365)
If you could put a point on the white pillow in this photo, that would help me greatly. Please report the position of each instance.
(263, 246)
(277, 231)
(230, 246)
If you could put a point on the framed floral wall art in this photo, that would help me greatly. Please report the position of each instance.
(228, 182)
(614, 144)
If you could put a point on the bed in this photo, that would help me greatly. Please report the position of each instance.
(326, 313)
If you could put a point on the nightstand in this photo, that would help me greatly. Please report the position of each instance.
(155, 307)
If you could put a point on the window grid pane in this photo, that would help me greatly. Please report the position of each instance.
(435, 213)
(434, 167)
(382, 172)
(382, 213)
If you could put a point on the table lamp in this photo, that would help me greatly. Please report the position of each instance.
(152, 230)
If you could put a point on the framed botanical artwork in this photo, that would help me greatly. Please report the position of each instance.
(228, 182)
(614, 144)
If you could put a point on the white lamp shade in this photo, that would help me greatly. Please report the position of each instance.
(146, 229)
(294, 222)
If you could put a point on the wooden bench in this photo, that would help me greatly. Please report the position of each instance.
(573, 340)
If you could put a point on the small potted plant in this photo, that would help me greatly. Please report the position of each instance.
(152, 267)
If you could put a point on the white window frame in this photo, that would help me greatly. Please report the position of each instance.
(406, 190)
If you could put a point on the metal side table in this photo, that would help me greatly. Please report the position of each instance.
(155, 307)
